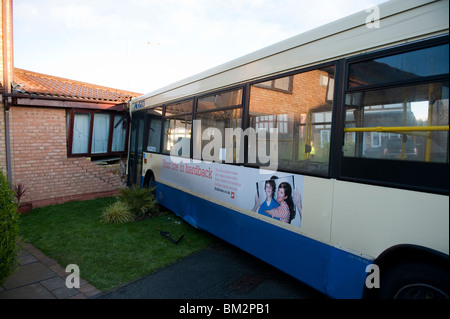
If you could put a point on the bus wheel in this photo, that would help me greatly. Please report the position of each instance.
(414, 280)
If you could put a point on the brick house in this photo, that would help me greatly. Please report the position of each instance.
(62, 139)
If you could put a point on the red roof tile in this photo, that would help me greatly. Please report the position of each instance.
(29, 82)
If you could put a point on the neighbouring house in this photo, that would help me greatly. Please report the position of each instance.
(61, 139)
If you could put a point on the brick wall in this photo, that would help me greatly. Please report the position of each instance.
(39, 160)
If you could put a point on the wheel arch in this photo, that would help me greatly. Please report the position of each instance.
(407, 252)
(404, 254)
(149, 179)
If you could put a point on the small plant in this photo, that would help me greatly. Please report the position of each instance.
(117, 213)
(9, 229)
(141, 201)
(19, 190)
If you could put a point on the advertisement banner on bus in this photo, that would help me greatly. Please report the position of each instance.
(277, 196)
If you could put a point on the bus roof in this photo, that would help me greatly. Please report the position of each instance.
(400, 21)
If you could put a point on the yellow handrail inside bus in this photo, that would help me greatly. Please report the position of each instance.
(398, 129)
(410, 130)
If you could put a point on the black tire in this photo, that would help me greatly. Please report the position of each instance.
(413, 280)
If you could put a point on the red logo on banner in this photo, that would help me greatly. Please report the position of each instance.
(232, 195)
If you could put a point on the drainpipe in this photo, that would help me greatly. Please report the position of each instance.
(7, 78)
(8, 144)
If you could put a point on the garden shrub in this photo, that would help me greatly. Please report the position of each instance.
(141, 201)
(9, 230)
(117, 213)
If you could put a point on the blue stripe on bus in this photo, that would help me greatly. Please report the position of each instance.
(332, 271)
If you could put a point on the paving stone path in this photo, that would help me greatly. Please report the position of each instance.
(41, 277)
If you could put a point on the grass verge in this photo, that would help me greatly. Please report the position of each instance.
(108, 255)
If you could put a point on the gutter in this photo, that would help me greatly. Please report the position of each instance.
(38, 96)
(31, 100)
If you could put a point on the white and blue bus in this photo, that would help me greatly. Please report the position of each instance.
(325, 155)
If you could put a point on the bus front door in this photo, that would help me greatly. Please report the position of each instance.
(136, 148)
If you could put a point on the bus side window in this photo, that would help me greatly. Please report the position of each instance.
(299, 107)
(392, 124)
(399, 121)
(220, 116)
(395, 131)
(177, 130)
(154, 135)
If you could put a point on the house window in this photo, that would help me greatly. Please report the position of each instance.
(100, 133)
(81, 131)
(119, 133)
(95, 134)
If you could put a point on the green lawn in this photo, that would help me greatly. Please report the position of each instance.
(108, 255)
